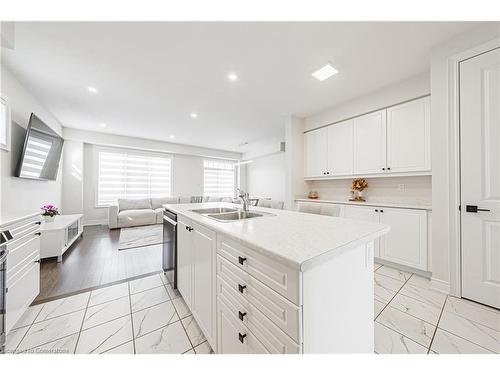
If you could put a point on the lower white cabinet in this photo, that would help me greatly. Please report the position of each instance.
(406, 243)
(196, 281)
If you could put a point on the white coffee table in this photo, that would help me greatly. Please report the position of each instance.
(58, 236)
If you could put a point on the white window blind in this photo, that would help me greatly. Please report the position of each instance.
(218, 178)
(129, 175)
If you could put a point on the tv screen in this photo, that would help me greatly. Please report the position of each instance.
(41, 152)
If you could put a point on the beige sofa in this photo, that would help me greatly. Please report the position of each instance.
(134, 212)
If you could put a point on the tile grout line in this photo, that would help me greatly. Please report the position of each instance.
(182, 324)
(437, 325)
(25, 333)
(81, 326)
(394, 296)
(131, 316)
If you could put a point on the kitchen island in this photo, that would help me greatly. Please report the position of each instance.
(284, 282)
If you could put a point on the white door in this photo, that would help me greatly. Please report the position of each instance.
(370, 143)
(409, 136)
(203, 299)
(184, 259)
(340, 150)
(316, 157)
(406, 243)
(370, 214)
(480, 177)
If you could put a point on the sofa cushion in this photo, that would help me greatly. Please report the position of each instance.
(133, 204)
(159, 215)
(131, 218)
(158, 202)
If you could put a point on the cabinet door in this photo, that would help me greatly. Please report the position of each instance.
(370, 214)
(315, 144)
(184, 259)
(409, 136)
(406, 243)
(370, 143)
(340, 148)
(204, 283)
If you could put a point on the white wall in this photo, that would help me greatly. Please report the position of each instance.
(294, 150)
(20, 197)
(266, 176)
(72, 178)
(411, 88)
(444, 145)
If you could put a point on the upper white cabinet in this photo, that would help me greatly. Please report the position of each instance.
(409, 136)
(340, 150)
(390, 141)
(316, 146)
(370, 143)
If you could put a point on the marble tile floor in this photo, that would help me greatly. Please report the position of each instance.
(148, 316)
(141, 316)
(412, 318)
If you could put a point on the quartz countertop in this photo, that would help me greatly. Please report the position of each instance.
(297, 239)
(414, 206)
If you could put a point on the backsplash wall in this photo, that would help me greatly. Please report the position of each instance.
(417, 189)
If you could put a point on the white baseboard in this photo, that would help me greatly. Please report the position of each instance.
(440, 285)
(95, 222)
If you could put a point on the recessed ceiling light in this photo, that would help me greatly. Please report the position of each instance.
(171, 136)
(91, 89)
(232, 77)
(102, 125)
(194, 115)
(325, 72)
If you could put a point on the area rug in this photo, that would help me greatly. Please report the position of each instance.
(140, 236)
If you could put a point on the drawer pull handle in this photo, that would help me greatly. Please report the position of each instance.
(241, 315)
(38, 261)
(241, 260)
(241, 288)
(242, 337)
(38, 234)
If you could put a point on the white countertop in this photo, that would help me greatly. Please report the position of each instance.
(297, 239)
(60, 222)
(414, 206)
(8, 220)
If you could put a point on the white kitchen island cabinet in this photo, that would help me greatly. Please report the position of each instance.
(287, 282)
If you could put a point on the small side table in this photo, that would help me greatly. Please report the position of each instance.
(58, 236)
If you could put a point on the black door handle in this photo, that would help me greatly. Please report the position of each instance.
(241, 260)
(475, 209)
(241, 315)
(242, 337)
(241, 288)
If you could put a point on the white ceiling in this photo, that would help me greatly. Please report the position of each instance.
(151, 76)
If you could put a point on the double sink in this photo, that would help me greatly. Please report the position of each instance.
(225, 214)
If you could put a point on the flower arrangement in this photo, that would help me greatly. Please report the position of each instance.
(359, 184)
(49, 211)
(357, 187)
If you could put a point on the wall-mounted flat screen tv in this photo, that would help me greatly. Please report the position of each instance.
(41, 152)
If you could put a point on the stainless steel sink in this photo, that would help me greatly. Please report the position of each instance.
(214, 210)
(238, 215)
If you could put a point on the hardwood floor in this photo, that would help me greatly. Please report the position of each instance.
(94, 261)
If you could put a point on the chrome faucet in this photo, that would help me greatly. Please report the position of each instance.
(244, 199)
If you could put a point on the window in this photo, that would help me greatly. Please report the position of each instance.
(4, 124)
(218, 178)
(132, 175)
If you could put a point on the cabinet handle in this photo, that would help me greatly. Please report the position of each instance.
(241, 260)
(38, 234)
(381, 210)
(241, 288)
(383, 169)
(241, 337)
(388, 168)
(241, 315)
(38, 223)
(327, 172)
(191, 229)
(376, 210)
(38, 261)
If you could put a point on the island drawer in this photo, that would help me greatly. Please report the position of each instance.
(234, 337)
(251, 291)
(273, 338)
(281, 278)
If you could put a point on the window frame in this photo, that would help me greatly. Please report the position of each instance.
(6, 126)
(129, 151)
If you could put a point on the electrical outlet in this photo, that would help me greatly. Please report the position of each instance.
(401, 187)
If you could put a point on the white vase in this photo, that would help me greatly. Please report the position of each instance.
(48, 219)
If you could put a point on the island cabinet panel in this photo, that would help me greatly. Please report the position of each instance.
(234, 337)
(339, 318)
(184, 259)
(370, 214)
(409, 136)
(276, 275)
(254, 294)
(406, 243)
(204, 281)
